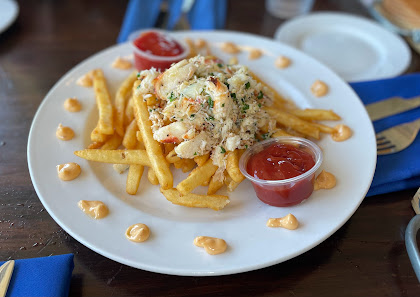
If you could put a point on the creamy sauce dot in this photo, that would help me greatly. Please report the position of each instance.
(254, 54)
(72, 105)
(319, 88)
(68, 171)
(200, 43)
(86, 80)
(230, 48)
(288, 222)
(325, 180)
(137, 232)
(94, 209)
(282, 62)
(342, 132)
(211, 245)
(64, 133)
(233, 60)
(121, 63)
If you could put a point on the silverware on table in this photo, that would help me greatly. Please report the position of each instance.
(391, 106)
(164, 14)
(397, 138)
(411, 235)
(6, 271)
(183, 23)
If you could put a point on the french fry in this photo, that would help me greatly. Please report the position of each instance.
(172, 157)
(192, 48)
(214, 185)
(197, 177)
(153, 148)
(112, 143)
(97, 136)
(121, 99)
(215, 202)
(95, 145)
(280, 132)
(129, 112)
(103, 101)
(151, 176)
(130, 137)
(324, 128)
(200, 160)
(288, 120)
(150, 99)
(315, 114)
(277, 98)
(232, 185)
(134, 175)
(168, 147)
(139, 157)
(187, 165)
(178, 164)
(232, 165)
(138, 136)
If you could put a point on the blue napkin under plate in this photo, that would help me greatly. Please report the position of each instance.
(399, 171)
(47, 276)
(142, 14)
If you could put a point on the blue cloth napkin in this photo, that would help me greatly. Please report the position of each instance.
(47, 276)
(142, 14)
(401, 170)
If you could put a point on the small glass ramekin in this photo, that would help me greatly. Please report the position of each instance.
(286, 192)
(144, 60)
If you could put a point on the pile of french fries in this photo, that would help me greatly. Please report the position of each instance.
(125, 122)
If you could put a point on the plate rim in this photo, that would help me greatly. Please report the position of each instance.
(14, 15)
(168, 270)
(356, 18)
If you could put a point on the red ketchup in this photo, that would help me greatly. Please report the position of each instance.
(156, 49)
(281, 161)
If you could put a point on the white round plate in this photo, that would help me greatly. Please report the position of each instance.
(170, 249)
(9, 10)
(356, 48)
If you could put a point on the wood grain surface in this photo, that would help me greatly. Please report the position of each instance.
(366, 257)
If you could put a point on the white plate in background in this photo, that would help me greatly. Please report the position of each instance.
(9, 10)
(170, 248)
(356, 48)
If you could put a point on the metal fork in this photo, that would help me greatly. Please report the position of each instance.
(397, 138)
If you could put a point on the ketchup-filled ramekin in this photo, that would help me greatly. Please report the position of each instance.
(156, 48)
(288, 191)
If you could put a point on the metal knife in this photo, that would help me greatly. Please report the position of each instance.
(391, 106)
(6, 271)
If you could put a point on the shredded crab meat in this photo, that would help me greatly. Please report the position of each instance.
(204, 105)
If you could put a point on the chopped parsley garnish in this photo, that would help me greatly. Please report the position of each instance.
(210, 102)
(265, 136)
(192, 115)
(260, 95)
(245, 107)
(222, 150)
(210, 118)
(171, 97)
(246, 146)
(138, 74)
(223, 105)
(233, 95)
(150, 110)
(195, 154)
(227, 85)
(259, 104)
(220, 65)
(247, 85)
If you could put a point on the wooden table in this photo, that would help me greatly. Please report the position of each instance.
(366, 257)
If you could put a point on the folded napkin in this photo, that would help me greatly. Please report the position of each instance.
(401, 170)
(141, 14)
(48, 276)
